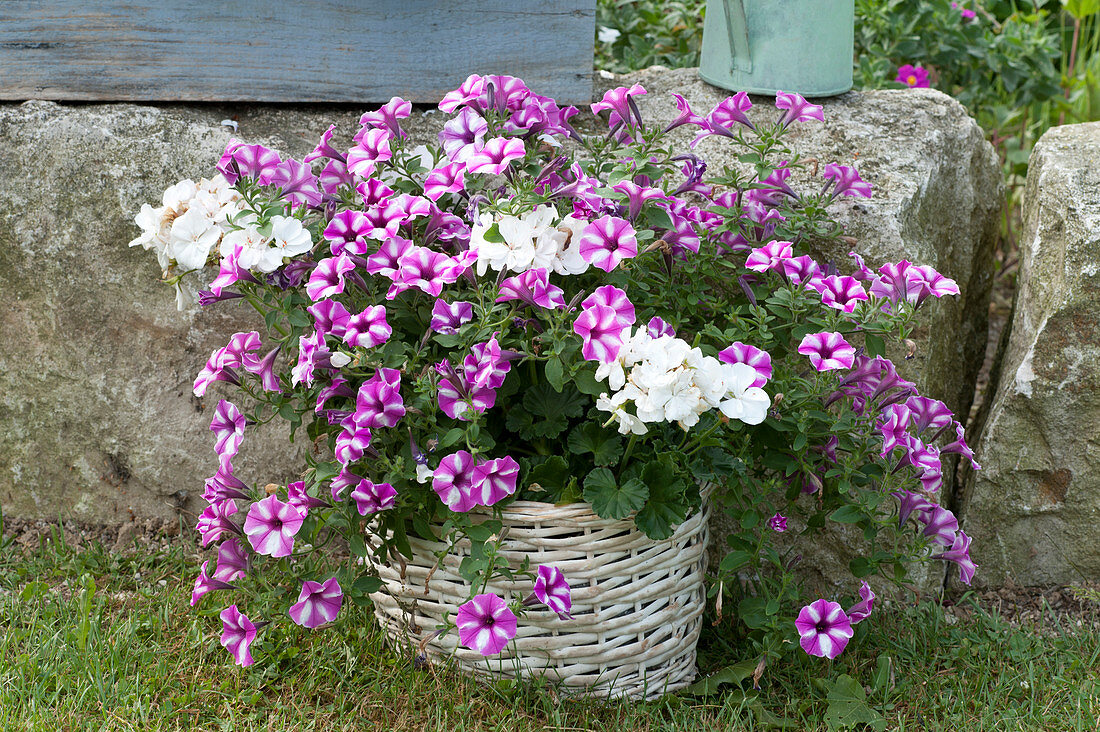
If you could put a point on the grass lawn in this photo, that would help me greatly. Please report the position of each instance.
(96, 640)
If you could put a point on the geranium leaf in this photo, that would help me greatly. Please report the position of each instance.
(552, 475)
(609, 499)
(605, 446)
(544, 412)
(664, 509)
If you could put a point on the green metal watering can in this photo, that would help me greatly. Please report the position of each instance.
(765, 46)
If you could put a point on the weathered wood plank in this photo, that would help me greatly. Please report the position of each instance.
(297, 51)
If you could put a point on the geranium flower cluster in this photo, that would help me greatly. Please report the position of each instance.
(508, 309)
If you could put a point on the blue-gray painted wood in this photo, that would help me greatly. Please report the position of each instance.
(291, 51)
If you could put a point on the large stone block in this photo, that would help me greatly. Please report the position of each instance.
(1034, 509)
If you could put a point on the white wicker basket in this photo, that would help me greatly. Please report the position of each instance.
(637, 603)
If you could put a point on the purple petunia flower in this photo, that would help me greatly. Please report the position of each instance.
(929, 414)
(271, 526)
(317, 603)
(327, 279)
(330, 317)
(214, 523)
(230, 271)
(778, 523)
(760, 360)
(552, 590)
(846, 181)
(727, 113)
(348, 232)
(684, 115)
(614, 298)
(335, 175)
(248, 161)
(894, 427)
(368, 328)
(373, 497)
(352, 441)
(447, 318)
(232, 561)
(372, 148)
(378, 402)
(801, 270)
(827, 351)
(228, 428)
(823, 629)
(238, 632)
(386, 117)
(940, 525)
(463, 135)
(220, 365)
(324, 148)
(470, 90)
(297, 496)
(620, 103)
(602, 333)
(447, 179)
(453, 481)
(264, 368)
(384, 262)
(223, 485)
(428, 270)
(769, 256)
(862, 609)
(494, 480)
(607, 241)
(657, 327)
(297, 183)
(206, 584)
(495, 156)
(839, 293)
(797, 109)
(485, 624)
(959, 446)
(913, 76)
(312, 352)
(532, 287)
(910, 503)
(636, 196)
(959, 553)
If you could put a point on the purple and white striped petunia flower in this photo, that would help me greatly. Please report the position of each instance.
(636, 196)
(348, 232)
(494, 480)
(894, 428)
(327, 279)
(485, 624)
(447, 179)
(228, 428)
(614, 298)
(607, 241)
(801, 270)
(324, 148)
(769, 256)
(797, 109)
(368, 328)
(206, 584)
(232, 561)
(827, 351)
(657, 327)
(271, 526)
(214, 522)
(778, 523)
(845, 181)
(532, 287)
(224, 485)
(453, 481)
(378, 402)
(372, 148)
(959, 553)
(862, 609)
(297, 496)
(372, 497)
(619, 102)
(317, 603)
(940, 525)
(238, 632)
(330, 317)
(823, 629)
(297, 183)
(552, 590)
(447, 318)
(351, 442)
(839, 293)
(759, 360)
(230, 271)
(386, 117)
(602, 333)
(495, 155)
(727, 113)
(463, 135)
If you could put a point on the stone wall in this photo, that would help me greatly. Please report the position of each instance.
(1034, 508)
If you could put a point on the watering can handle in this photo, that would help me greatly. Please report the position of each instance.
(737, 27)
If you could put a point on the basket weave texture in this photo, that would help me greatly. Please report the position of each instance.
(637, 603)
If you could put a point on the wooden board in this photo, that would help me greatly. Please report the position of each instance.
(290, 51)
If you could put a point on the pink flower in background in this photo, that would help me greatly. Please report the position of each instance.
(271, 525)
(778, 523)
(607, 241)
(656, 327)
(238, 632)
(797, 109)
(602, 333)
(317, 603)
(485, 624)
(967, 14)
(249, 161)
(827, 351)
(495, 156)
(912, 76)
(862, 609)
(761, 361)
(684, 115)
(373, 497)
(552, 590)
(823, 629)
(959, 553)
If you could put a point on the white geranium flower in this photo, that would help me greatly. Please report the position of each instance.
(569, 260)
(176, 198)
(288, 239)
(607, 35)
(192, 237)
(745, 402)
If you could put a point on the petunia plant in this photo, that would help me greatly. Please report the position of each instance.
(513, 310)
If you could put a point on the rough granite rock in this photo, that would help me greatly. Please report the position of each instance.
(96, 415)
(1036, 503)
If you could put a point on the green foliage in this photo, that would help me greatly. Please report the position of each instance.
(650, 32)
(611, 500)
